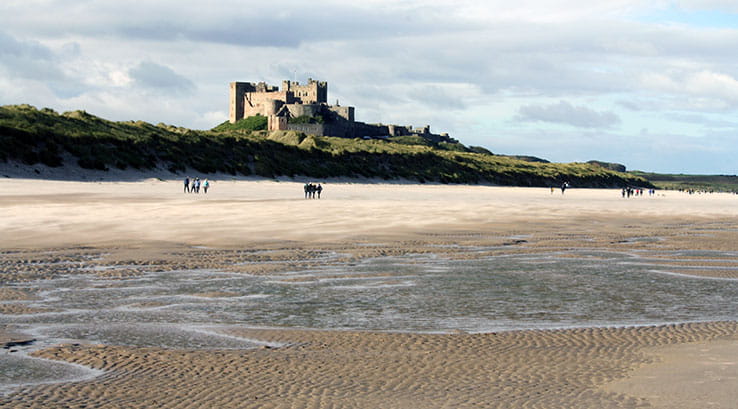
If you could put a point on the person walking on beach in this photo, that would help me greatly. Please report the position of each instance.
(187, 184)
(307, 190)
(319, 189)
(205, 186)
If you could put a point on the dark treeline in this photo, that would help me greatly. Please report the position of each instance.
(34, 136)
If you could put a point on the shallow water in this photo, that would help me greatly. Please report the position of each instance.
(186, 309)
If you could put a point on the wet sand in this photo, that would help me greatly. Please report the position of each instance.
(123, 226)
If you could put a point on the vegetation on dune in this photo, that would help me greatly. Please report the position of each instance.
(707, 183)
(252, 123)
(43, 136)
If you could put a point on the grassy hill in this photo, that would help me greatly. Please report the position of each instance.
(33, 136)
(707, 183)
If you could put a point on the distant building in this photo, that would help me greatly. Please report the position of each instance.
(309, 103)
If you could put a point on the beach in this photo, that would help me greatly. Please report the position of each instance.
(374, 257)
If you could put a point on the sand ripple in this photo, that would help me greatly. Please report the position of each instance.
(526, 369)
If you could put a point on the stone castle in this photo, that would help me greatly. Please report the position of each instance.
(305, 108)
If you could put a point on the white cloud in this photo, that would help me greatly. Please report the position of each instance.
(153, 76)
(712, 84)
(565, 113)
(119, 78)
(699, 90)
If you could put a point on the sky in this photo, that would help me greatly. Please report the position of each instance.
(649, 84)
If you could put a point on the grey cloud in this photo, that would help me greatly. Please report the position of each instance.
(630, 105)
(268, 24)
(568, 114)
(436, 97)
(27, 59)
(153, 76)
(31, 60)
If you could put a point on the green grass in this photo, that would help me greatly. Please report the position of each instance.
(43, 136)
(252, 123)
(708, 183)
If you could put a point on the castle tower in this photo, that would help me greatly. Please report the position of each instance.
(238, 90)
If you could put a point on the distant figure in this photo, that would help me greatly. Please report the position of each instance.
(205, 186)
(307, 190)
(552, 190)
(319, 189)
(564, 186)
(187, 184)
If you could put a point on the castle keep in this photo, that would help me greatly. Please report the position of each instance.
(305, 108)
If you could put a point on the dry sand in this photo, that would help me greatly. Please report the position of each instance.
(154, 223)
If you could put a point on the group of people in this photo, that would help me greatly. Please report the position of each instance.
(193, 185)
(311, 190)
(629, 191)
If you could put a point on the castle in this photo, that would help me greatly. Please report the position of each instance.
(305, 108)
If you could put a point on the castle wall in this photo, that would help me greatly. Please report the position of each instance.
(310, 129)
(277, 123)
(262, 103)
(362, 129)
(346, 113)
(398, 130)
(341, 129)
(304, 109)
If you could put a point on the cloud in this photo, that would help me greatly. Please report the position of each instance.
(280, 23)
(693, 90)
(32, 61)
(27, 59)
(438, 97)
(152, 76)
(567, 114)
(703, 120)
